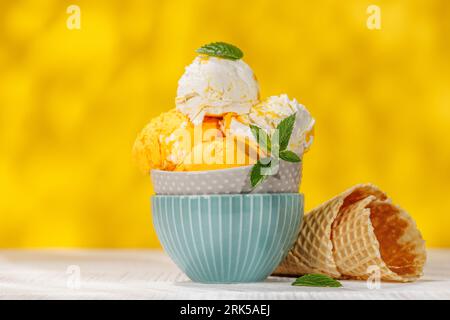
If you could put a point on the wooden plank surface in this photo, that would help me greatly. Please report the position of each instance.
(150, 274)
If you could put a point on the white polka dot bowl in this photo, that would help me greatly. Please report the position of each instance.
(226, 181)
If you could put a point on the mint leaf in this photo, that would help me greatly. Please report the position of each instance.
(255, 175)
(221, 50)
(262, 138)
(285, 128)
(276, 145)
(265, 162)
(316, 280)
(289, 156)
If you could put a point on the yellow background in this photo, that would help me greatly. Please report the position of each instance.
(72, 102)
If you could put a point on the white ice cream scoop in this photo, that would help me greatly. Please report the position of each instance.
(269, 113)
(214, 86)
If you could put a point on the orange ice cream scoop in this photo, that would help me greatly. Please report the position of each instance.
(221, 153)
(169, 138)
(159, 145)
(171, 142)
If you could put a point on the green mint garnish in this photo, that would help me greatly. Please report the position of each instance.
(289, 156)
(261, 137)
(255, 175)
(284, 130)
(316, 280)
(221, 50)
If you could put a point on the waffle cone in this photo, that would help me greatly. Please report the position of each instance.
(354, 235)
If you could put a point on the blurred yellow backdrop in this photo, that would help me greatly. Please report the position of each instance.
(72, 102)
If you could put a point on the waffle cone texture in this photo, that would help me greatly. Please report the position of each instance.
(356, 234)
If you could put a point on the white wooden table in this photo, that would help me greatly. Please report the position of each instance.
(150, 274)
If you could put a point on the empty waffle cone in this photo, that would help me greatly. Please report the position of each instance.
(355, 234)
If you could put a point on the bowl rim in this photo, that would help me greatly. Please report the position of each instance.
(231, 195)
(243, 168)
(200, 172)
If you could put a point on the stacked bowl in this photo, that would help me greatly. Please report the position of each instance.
(217, 229)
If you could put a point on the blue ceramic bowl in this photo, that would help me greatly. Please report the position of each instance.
(228, 238)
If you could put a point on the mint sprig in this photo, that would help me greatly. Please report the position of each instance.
(284, 132)
(262, 138)
(256, 177)
(316, 280)
(289, 156)
(221, 50)
(285, 128)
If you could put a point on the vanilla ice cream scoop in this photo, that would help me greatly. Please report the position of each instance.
(269, 113)
(214, 86)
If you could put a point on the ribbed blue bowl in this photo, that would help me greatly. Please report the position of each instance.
(228, 238)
